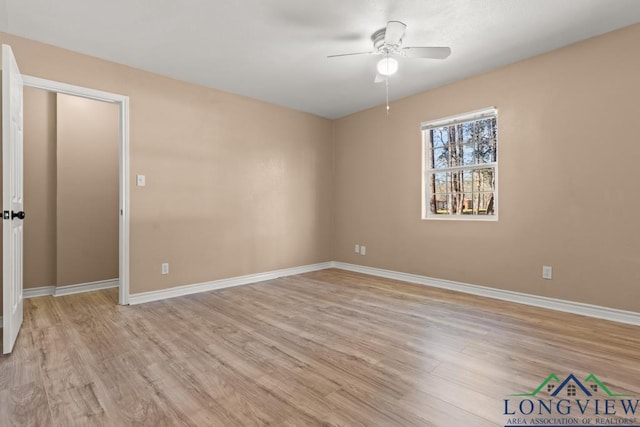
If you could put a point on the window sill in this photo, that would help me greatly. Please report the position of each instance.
(482, 218)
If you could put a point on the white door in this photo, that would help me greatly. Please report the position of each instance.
(12, 200)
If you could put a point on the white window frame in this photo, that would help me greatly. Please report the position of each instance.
(427, 170)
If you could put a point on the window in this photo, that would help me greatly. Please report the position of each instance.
(571, 390)
(460, 166)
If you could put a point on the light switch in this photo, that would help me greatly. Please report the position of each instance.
(141, 180)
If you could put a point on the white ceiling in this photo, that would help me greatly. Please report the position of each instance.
(275, 50)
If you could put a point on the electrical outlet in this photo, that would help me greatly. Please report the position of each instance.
(357, 249)
(165, 268)
(363, 250)
(547, 272)
(141, 180)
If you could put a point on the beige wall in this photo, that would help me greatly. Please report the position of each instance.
(87, 190)
(39, 188)
(71, 186)
(234, 185)
(568, 150)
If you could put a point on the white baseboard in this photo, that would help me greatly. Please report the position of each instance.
(43, 291)
(223, 283)
(583, 309)
(86, 287)
(58, 291)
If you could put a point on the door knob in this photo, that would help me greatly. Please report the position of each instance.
(19, 215)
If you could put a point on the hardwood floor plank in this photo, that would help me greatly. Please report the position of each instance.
(23, 365)
(437, 412)
(126, 389)
(78, 406)
(40, 313)
(61, 365)
(25, 405)
(370, 409)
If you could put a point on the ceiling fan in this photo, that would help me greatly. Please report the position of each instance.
(388, 42)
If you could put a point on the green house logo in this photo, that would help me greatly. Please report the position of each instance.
(571, 385)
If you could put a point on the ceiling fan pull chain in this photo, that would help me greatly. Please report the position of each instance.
(387, 87)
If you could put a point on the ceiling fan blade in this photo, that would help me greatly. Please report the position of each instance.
(379, 78)
(427, 52)
(394, 32)
(350, 54)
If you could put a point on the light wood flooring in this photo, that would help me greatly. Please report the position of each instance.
(325, 348)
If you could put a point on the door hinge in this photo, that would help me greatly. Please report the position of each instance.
(6, 215)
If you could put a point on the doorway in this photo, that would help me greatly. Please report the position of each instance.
(122, 103)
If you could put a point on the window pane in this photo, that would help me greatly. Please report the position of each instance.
(467, 181)
(468, 154)
(486, 153)
(467, 203)
(440, 158)
(440, 206)
(486, 141)
(477, 202)
(457, 181)
(478, 144)
(441, 180)
(467, 130)
(457, 203)
(484, 203)
(439, 137)
(484, 180)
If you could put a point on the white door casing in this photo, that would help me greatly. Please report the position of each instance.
(12, 199)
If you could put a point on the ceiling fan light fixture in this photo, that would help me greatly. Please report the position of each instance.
(387, 66)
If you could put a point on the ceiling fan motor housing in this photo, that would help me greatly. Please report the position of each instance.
(381, 47)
